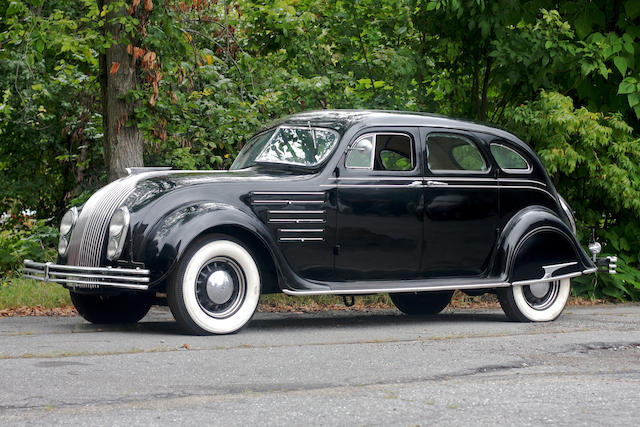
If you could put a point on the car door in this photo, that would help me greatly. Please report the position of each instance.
(379, 206)
(461, 205)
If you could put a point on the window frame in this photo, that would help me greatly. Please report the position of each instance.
(312, 128)
(507, 170)
(488, 161)
(375, 134)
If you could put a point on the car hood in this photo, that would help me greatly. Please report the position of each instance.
(146, 187)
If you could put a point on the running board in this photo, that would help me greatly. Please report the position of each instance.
(383, 290)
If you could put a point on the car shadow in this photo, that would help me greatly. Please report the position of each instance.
(296, 321)
(367, 320)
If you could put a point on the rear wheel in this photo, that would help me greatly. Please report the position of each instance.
(123, 308)
(422, 303)
(216, 287)
(539, 302)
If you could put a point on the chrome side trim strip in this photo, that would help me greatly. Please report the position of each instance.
(550, 269)
(286, 202)
(295, 212)
(288, 193)
(301, 230)
(296, 220)
(301, 239)
(397, 290)
(549, 279)
(590, 270)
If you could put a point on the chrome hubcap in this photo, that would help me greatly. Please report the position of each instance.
(539, 290)
(220, 287)
(541, 296)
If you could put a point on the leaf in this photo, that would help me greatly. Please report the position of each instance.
(632, 8)
(633, 99)
(628, 85)
(114, 67)
(148, 5)
(621, 64)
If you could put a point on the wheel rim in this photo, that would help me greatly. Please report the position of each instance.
(541, 296)
(220, 287)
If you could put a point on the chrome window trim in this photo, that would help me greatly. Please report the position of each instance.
(326, 156)
(456, 171)
(511, 171)
(375, 142)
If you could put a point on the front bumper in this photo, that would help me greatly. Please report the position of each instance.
(74, 276)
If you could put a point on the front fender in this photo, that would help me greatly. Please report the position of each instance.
(535, 238)
(167, 240)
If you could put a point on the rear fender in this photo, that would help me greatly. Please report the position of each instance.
(536, 244)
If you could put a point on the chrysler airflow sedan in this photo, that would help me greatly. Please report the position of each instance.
(328, 202)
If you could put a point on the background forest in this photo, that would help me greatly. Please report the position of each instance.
(201, 76)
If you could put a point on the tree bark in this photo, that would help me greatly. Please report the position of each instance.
(123, 142)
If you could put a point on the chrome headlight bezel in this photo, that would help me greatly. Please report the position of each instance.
(567, 211)
(66, 227)
(118, 230)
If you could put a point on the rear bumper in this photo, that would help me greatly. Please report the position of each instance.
(74, 276)
(607, 264)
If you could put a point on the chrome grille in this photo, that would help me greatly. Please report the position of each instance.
(87, 238)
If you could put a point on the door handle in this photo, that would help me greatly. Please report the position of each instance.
(415, 184)
(436, 184)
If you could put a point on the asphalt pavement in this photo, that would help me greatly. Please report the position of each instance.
(463, 367)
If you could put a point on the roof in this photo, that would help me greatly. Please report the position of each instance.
(341, 120)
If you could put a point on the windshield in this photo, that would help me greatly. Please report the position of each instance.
(302, 146)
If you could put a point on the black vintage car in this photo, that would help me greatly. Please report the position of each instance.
(327, 202)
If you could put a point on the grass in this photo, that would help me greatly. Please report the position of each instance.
(19, 292)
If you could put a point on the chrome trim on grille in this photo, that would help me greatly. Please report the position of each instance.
(88, 277)
(90, 232)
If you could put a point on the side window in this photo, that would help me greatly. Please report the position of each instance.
(450, 152)
(508, 159)
(382, 152)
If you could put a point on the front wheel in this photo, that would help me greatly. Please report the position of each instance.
(123, 308)
(421, 303)
(216, 287)
(539, 302)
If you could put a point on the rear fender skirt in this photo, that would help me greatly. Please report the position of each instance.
(536, 244)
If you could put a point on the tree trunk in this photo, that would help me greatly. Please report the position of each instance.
(123, 140)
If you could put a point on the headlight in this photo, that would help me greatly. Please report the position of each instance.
(68, 221)
(66, 226)
(567, 210)
(118, 228)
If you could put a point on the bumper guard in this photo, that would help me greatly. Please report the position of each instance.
(74, 276)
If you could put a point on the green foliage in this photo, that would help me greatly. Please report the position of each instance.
(594, 160)
(25, 238)
(212, 73)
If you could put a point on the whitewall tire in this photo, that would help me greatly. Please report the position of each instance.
(541, 302)
(216, 287)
